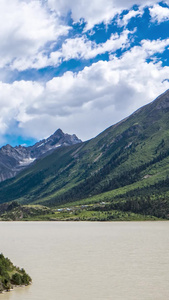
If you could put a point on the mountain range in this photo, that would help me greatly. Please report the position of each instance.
(124, 169)
(14, 159)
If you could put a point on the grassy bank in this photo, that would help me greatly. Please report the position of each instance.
(77, 212)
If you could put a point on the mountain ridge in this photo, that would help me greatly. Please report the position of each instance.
(14, 159)
(125, 166)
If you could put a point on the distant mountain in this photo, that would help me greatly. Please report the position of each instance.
(126, 167)
(15, 159)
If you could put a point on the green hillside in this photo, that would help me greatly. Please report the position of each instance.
(126, 166)
(11, 276)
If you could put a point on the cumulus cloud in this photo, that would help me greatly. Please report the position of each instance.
(96, 97)
(96, 11)
(30, 29)
(159, 13)
(74, 48)
(101, 94)
(13, 102)
(127, 17)
(83, 48)
(26, 27)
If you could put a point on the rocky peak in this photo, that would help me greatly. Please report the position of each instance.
(60, 137)
(6, 148)
(58, 132)
(57, 139)
(14, 159)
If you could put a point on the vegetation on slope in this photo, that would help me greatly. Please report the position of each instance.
(15, 212)
(77, 212)
(128, 163)
(11, 275)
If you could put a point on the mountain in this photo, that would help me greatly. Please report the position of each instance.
(15, 159)
(125, 168)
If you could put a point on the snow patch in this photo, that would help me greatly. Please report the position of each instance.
(41, 145)
(26, 161)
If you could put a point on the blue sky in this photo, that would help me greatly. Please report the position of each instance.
(80, 66)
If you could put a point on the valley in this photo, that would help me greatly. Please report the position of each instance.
(126, 167)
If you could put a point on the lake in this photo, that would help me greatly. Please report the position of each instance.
(89, 261)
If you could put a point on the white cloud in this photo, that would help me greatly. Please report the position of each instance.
(74, 48)
(159, 13)
(26, 27)
(95, 98)
(96, 11)
(155, 46)
(29, 27)
(83, 48)
(131, 14)
(13, 102)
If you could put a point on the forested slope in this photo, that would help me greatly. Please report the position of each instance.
(129, 161)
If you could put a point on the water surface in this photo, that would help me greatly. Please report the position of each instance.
(89, 261)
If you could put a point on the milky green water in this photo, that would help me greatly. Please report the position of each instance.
(89, 261)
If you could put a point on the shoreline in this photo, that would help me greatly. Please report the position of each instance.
(15, 287)
(82, 221)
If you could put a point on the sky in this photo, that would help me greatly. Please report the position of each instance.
(81, 66)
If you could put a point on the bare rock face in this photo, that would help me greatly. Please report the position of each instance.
(15, 159)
